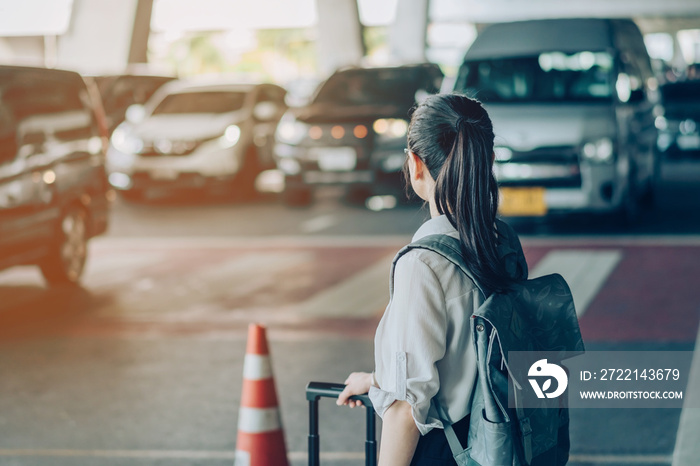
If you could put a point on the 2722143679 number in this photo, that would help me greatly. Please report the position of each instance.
(636, 374)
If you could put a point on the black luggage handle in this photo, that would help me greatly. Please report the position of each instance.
(318, 390)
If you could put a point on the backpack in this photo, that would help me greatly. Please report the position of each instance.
(534, 315)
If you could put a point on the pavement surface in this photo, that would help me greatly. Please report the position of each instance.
(143, 364)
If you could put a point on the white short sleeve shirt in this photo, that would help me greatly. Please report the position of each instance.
(423, 344)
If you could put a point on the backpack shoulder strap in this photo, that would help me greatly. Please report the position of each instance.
(444, 245)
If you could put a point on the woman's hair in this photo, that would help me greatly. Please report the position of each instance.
(453, 135)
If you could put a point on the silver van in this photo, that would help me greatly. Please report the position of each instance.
(572, 102)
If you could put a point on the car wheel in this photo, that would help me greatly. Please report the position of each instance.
(64, 263)
(297, 197)
(630, 210)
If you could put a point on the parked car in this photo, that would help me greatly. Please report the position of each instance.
(196, 134)
(679, 126)
(572, 112)
(53, 185)
(121, 91)
(353, 132)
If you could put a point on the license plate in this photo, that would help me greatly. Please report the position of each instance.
(688, 141)
(164, 174)
(522, 202)
(337, 159)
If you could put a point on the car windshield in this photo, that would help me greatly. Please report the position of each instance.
(127, 90)
(547, 77)
(201, 102)
(362, 87)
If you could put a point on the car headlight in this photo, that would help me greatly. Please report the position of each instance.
(232, 134)
(289, 166)
(125, 142)
(661, 123)
(390, 127)
(503, 154)
(600, 151)
(290, 130)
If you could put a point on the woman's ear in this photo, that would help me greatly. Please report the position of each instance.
(416, 166)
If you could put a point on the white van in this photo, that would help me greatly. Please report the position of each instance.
(572, 102)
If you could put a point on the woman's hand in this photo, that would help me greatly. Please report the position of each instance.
(357, 383)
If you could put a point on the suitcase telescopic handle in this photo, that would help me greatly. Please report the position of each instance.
(318, 390)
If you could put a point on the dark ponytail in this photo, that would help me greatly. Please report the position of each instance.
(453, 136)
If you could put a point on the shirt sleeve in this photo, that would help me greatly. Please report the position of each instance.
(410, 340)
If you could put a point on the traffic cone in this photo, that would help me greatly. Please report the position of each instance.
(260, 437)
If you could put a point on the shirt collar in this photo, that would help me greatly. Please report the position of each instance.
(439, 225)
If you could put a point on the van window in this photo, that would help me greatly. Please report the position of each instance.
(546, 77)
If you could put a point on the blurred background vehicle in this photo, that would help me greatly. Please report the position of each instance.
(53, 186)
(572, 112)
(353, 132)
(121, 91)
(196, 134)
(679, 131)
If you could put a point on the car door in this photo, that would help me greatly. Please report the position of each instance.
(23, 231)
(636, 102)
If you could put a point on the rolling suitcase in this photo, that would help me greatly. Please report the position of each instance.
(318, 390)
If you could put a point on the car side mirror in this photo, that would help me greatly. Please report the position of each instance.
(265, 111)
(135, 114)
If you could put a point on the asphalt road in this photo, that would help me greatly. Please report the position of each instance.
(142, 366)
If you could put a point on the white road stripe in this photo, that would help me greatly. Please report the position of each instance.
(687, 449)
(258, 420)
(362, 295)
(584, 271)
(319, 223)
(256, 367)
(293, 456)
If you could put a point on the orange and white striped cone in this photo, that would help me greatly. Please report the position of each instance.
(260, 437)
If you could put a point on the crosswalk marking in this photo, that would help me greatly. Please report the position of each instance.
(586, 271)
(319, 223)
(362, 295)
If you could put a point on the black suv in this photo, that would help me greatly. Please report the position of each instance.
(53, 187)
(353, 131)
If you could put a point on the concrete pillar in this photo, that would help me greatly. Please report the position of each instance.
(98, 39)
(678, 61)
(407, 35)
(339, 41)
(138, 50)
